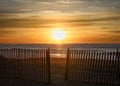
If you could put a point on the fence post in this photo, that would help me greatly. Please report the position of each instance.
(0, 52)
(118, 71)
(48, 65)
(67, 65)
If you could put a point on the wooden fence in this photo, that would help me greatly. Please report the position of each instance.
(31, 64)
(93, 66)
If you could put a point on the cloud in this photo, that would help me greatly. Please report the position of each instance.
(7, 32)
(102, 24)
(78, 16)
(35, 6)
(37, 21)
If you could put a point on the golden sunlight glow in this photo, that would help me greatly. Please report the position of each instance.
(58, 34)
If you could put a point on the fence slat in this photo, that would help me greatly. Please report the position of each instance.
(67, 64)
(93, 66)
(31, 64)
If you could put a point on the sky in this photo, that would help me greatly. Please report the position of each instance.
(84, 21)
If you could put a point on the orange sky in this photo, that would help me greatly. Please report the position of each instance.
(21, 23)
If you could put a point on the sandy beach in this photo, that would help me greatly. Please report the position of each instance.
(57, 77)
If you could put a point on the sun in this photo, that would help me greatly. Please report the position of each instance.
(58, 34)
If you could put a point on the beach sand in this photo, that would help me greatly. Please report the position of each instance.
(57, 77)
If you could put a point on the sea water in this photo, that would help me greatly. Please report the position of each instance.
(59, 50)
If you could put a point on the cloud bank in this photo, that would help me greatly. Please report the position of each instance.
(89, 20)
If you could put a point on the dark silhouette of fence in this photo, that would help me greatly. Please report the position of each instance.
(93, 66)
(31, 64)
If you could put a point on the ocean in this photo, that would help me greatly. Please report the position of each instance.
(59, 50)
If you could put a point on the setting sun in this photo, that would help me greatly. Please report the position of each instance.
(58, 34)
